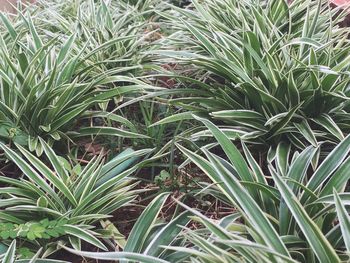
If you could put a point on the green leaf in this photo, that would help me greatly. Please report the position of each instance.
(338, 180)
(318, 242)
(167, 235)
(230, 149)
(329, 165)
(10, 255)
(144, 224)
(174, 118)
(328, 123)
(84, 235)
(344, 220)
(307, 132)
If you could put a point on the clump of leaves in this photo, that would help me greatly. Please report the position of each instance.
(294, 212)
(265, 71)
(121, 28)
(44, 229)
(47, 86)
(150, 237)
(73, 200)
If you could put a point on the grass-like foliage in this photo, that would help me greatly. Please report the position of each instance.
(150, 237)
(295, 212)
(77, 196)
(231, 120)
(268, 70)
(49, 81)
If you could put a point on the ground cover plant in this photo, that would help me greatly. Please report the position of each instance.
(64, 200)
(299, 219)
(266, 70)
(174, 131)
(46, 87)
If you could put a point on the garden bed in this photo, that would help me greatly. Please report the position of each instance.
(174, 131)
